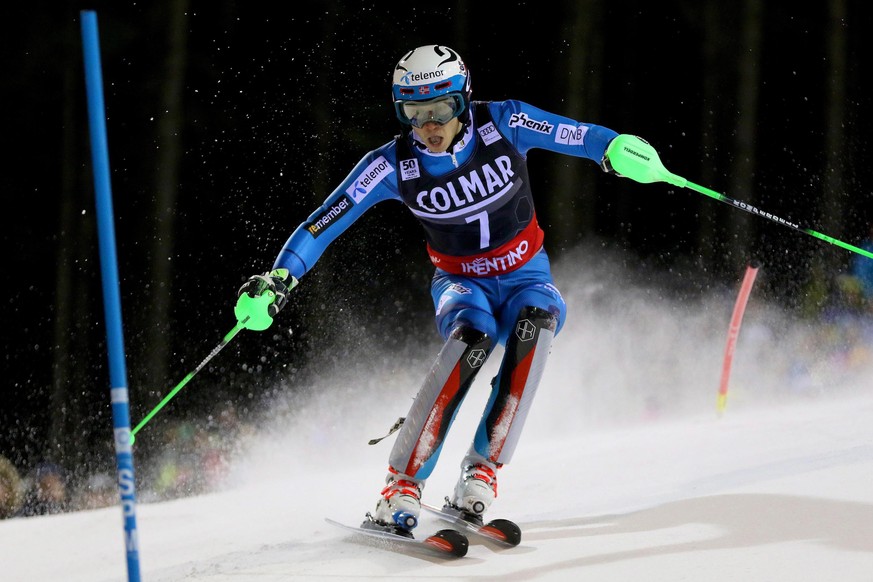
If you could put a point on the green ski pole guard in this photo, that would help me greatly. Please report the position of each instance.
(633, 157)
(254, 312)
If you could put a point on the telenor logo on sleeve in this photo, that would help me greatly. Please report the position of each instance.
(321, 221)
(367, 180)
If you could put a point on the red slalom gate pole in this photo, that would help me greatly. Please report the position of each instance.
(733, 333)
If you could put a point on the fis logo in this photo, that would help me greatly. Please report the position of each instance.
(453, 289)
(522, 120)
(367, 180)
(320, 222)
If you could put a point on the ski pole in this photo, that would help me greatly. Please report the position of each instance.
(254, 312)
(230, 335)
(634, 158)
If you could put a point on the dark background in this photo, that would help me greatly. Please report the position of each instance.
(229, 122)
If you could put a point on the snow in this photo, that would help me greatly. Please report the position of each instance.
(624, 472)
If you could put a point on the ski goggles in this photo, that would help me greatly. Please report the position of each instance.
(440, 110)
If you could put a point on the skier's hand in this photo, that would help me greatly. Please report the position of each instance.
(632, 157)
(262, 297)
(272, 282)
(611, 148)
(606, 165)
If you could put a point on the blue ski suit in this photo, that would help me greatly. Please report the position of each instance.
(488, 296)
(476, 206)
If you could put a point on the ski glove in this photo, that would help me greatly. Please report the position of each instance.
(605, 164)
(633, 157)
(262, 297)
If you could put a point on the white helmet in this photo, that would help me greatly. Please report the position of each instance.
(435, 74)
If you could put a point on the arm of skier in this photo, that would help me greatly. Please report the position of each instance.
(365, 186)
(529, 127)
(623, 154)
(370, 182)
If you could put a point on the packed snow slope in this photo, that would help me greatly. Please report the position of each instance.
(625, 470)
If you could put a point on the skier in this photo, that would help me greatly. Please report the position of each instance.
(460, 168)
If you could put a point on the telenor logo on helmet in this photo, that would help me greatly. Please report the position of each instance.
(411, 77)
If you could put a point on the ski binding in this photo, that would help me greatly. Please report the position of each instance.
(502, 531)
(447, 543)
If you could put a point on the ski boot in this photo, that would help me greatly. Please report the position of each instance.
(399, 507)
(474, 492)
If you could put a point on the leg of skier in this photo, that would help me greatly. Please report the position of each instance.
(539, 311)
(465, 320)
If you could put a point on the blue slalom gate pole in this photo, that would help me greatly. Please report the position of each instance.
(111, 296)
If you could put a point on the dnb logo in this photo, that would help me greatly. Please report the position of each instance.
(476, 358)
(525, 330)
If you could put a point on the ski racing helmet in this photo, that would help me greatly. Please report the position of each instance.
(431, 83)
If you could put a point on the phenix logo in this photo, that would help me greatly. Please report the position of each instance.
(522, 120)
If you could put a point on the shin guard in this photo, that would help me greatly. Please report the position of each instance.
(515, 386)
(420, 438)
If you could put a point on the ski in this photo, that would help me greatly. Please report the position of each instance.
(447, 543)
(502, 531)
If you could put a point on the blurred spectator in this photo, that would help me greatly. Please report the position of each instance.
(862, 270)
(848, 323)
(98, 491)
(176, 470)
(195, 457)
(47, 492)
(10, 489)
(849, 298)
